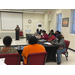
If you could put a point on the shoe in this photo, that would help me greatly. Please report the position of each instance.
(58, 63)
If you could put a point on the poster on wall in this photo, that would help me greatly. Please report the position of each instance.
(65, 22)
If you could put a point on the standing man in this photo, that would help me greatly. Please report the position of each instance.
(17, 29)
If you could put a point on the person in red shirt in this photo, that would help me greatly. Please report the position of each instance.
(44, 35)
(51, 37)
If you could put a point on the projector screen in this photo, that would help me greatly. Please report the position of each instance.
(9, 21)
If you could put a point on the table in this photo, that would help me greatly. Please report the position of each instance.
(51, 51)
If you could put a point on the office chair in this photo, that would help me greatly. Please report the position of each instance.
(21, 34)
(11, 59)
(36, 58)
(67, 45)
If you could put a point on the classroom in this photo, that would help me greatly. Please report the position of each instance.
(29, 20)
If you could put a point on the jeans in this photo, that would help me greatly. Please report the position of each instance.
(59, 51)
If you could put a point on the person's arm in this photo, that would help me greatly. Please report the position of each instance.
(42, 36)
(51, 38)
(60, 43)
(49, 34)
(23, 53)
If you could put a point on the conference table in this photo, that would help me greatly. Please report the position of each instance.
(50, 49)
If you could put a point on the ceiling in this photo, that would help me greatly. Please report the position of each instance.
(28, 10)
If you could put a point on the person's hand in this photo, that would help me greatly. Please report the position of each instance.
(60, 47)
(49, 40)
(52, 43)
(49, 36)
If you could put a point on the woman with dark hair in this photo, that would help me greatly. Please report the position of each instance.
(40, 32)
(33, 47)
(52, 37)
(62, 47)
(37, 32)
(57, 33)
(7, 40)
(44, 35)
(50, 32)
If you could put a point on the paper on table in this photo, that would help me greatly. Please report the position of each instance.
(42, 40)
(2, 61)
(48, 43)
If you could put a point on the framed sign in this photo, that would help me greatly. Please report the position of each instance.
(65, 22)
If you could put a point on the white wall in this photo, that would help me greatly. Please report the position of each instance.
(0, 25)
(46, 22)
(35, 18)
(64, 30)
(52, 18)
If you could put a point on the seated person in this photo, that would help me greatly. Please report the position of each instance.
(40, 32)
(44, 35)
(39, 35)
(62, 47)
(7, 49)
(37, 32)
(52, 37)
(50, 32)
(57, 33)
(33, 47)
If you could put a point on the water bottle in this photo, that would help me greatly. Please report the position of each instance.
(18, 48)
(22, 47)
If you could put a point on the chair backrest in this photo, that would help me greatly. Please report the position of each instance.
(37, 58)
(21, 33)
(11, 59)
(28, 36)
(67, 43)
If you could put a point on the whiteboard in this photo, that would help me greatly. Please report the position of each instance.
(9, 21)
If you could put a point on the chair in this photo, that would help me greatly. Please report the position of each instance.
(36, 58)
(11, 59)
(21, 33)
(67, 45)
(28, 36)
